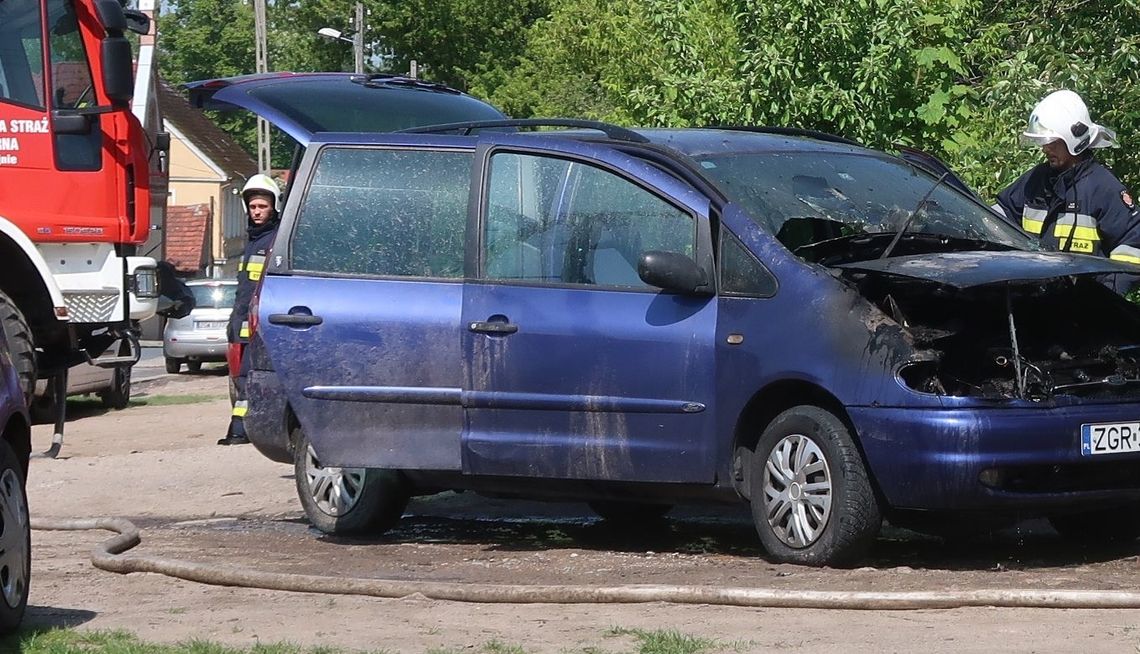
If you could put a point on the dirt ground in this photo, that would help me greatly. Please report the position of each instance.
(157, 465)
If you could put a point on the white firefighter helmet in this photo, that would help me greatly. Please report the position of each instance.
(1063, 115)
(261, 184)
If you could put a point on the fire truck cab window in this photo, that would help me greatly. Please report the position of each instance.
(21, 53)
(72, 84)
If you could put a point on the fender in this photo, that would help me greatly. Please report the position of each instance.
(9, 229)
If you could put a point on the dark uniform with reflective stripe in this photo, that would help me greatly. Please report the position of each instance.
(1083, 209)
(250, 268)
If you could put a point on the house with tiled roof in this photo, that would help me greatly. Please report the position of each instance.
(205, 221)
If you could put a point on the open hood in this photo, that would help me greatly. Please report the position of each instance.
(301, 104)
(969, 269)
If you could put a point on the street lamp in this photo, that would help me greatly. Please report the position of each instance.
(357, 39)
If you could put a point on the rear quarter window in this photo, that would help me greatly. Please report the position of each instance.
(384, 212)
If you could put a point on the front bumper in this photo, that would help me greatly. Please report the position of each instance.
(1029, 458)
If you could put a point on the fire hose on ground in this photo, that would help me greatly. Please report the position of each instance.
(108, 556)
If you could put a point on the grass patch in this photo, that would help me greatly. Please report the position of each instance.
(171, 400)
(660, 641)
(71, 641)
(499, 647)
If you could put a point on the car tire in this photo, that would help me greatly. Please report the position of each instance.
(834, 521)
(119, 395)
(173, 366)
(194, 366)
(629, 513)
(347, 501)
(15, 540)
(1108, 526)
(20, 345)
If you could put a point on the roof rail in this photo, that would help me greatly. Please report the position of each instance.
(378, 80)
(611, 131)
(789, 131)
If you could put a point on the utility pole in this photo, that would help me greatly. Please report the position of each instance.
(264, 161)
(358, 39)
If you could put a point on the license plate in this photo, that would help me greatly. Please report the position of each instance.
(210, 324)
(1110, 438)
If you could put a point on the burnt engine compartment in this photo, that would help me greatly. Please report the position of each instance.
(1027, 340)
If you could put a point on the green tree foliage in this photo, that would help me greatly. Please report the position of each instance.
(467, 44)
(954, 77)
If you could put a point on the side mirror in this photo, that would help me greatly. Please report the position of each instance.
(137, 21)
(62, 123)
(672, 271)
(111, 16)
(118, 71)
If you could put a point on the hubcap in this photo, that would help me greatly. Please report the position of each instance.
(13, 539)
(334, 490)
(797, 491)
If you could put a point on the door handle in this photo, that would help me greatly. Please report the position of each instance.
(295, 319)
(493, 327)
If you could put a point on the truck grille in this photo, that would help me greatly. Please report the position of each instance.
(96, 306)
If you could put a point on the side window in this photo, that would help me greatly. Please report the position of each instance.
(741, 273)
(563, 222)
(384, 212)
(72, 88)
(21, 53)
(72, 84)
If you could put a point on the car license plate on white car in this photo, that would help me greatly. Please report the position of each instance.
(210, 324)
(1110, 438)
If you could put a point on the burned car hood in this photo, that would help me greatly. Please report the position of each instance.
(969, 269)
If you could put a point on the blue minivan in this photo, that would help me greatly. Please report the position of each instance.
(640, 318)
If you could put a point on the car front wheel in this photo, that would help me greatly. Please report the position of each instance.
(15, 541)
(812, 500)
(346, 501)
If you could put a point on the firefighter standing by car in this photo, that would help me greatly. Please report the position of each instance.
(262, 199)
(1071, 201)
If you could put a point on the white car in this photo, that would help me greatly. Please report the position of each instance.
(200, 336)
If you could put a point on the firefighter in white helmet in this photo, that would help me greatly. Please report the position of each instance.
(1071, 201)
(262, 199)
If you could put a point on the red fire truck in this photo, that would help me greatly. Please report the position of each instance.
(79, 172)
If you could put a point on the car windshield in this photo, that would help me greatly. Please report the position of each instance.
(838, 207)
(208, 296)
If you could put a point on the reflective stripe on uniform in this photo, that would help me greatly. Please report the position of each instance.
(240, 408)
(1079, 225)
(255, 266)
(244, 331)
(1033, 220)
(1125, 253)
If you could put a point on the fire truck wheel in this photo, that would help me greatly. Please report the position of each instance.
(19, 337)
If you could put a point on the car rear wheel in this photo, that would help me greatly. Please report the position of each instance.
(118, 396)
(15, 540)
(1121, 525)
(812, 500)
(173, 366)
(346, 501)
(629, 512)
